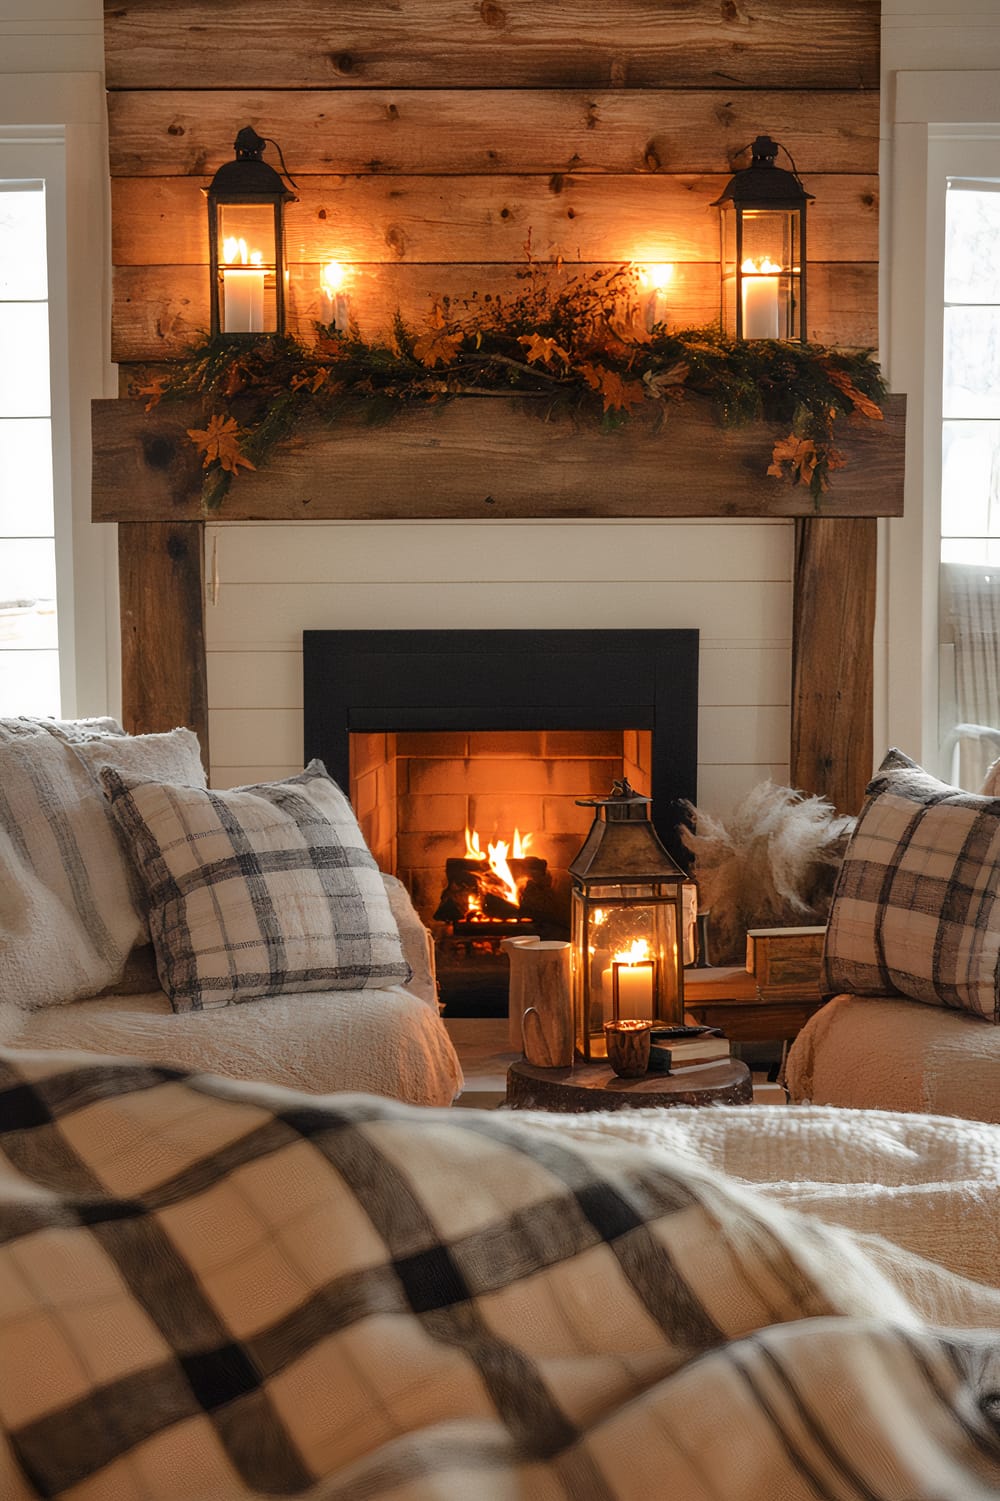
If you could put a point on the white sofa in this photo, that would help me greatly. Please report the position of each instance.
(890, 1053)
(911, 956)
(387, 1041)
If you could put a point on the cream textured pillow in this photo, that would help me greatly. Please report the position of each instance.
(70, 908)
(258, 890)
(916, 910)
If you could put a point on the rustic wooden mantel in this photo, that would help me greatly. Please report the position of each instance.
(488, 459)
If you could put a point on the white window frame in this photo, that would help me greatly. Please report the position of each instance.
(943, 125)
(41, 154)
(61, 116)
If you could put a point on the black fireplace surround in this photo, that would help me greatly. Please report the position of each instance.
(357, 681)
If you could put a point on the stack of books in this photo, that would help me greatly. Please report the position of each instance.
(785, 962)
(674, 1049)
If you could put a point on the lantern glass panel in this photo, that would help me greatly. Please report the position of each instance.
(247, 260)
(761, 273)
(629, 935)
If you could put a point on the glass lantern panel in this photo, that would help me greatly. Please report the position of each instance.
(247, 265)
(631, 967)
(769, 273)
(728, 259)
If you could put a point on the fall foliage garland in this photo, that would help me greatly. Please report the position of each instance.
(582, 348)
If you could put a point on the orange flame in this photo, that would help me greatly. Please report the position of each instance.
(498, 855)
(639, 953)
(762, 266)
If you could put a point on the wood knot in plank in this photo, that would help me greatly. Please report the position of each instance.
(395, 239)
(493, 15)
(176, 549)
(556, 182)
(343, 63)
(732, 11)
(175, 128)
(651, 157)
(158, 451)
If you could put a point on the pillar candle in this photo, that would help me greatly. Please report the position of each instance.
(760, 307)
(635, 989)
(243, 290)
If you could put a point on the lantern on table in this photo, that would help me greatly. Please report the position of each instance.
(246, 202)
(627, 923)
(763, 226)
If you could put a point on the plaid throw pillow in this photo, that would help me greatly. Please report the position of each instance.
(258, 890)
(916, 911)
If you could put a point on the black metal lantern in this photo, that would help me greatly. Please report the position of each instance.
(627, 956)
(246, 202)
(763, 223)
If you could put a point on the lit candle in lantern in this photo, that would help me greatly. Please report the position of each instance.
(338, 303)
(656, 279)
(760, 299)
(633, 972)
(243, 286)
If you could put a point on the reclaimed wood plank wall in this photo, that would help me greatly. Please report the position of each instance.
(434, 142)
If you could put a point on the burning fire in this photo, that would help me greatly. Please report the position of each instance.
(497, 855)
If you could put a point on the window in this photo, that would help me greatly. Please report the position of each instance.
(969, 659)
(29, 656)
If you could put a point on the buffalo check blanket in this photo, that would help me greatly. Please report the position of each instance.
(215, 1290)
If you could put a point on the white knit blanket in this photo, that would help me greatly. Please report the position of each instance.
(217, 1290)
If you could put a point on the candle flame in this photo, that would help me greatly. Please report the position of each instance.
(638, 953)
(235, 252)
(331, 278)
(657, 277)
(763, 266)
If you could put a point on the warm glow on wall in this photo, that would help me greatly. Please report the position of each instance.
(655, 281)
(332, 280)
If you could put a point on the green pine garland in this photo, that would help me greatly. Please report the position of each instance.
(582, 350)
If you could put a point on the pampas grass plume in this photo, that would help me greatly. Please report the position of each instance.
(773, 863)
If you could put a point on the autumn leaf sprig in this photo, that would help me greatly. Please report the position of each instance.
(576, 344)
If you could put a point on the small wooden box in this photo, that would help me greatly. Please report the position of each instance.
(785, 957)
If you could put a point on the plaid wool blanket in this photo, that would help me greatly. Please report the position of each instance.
(214, 1290)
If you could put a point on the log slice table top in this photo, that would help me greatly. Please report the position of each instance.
(595, 1086)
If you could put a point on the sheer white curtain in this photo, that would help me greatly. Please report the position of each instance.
(970, 620)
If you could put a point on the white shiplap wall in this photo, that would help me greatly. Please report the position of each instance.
(729, 580)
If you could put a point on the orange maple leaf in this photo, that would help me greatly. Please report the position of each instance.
(859, 401)
(541, 350)
(619, 395)
(154, 389)
(220, 443)
(313, 381)
(437, 347)
(799, 454)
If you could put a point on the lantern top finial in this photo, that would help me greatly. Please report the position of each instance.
(248, 145)
(763, 184)
(248, 177)
(623, 802)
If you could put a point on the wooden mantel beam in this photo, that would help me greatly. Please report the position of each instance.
(487, 458)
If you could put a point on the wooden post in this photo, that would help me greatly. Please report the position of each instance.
(161, 567)
(832, 658)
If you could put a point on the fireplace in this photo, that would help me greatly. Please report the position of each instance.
(452, 744)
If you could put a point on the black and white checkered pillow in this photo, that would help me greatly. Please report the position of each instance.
(916, 911)
(257, 890)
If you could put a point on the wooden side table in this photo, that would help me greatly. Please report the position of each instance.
(729, 998)
(595, 1086)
